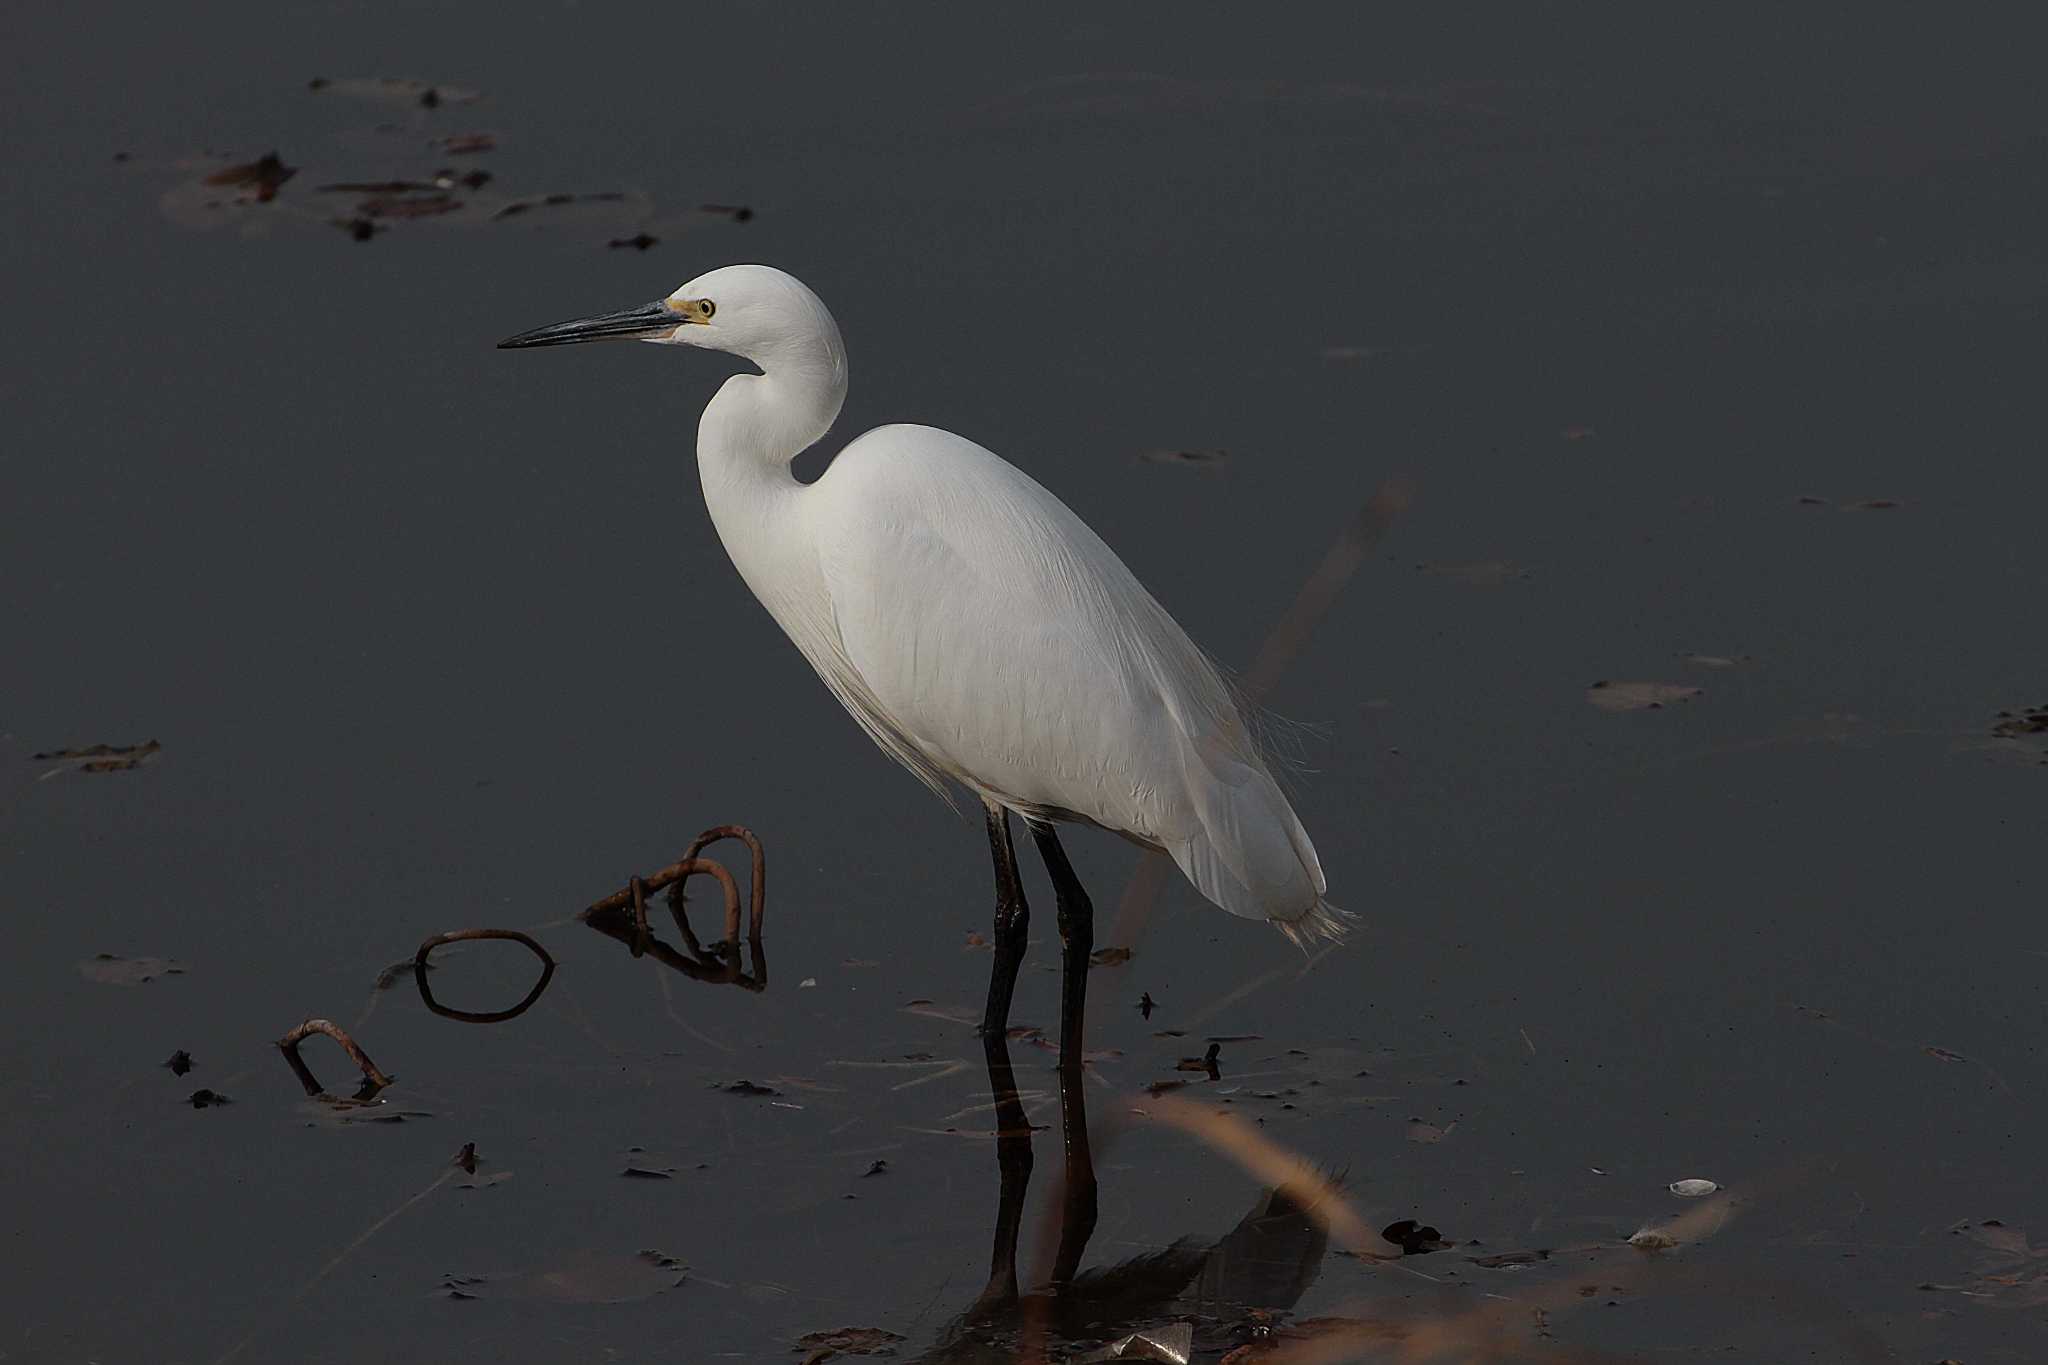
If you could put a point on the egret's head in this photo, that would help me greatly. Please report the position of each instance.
(754, 311)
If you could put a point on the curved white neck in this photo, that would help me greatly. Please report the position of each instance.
(752, 428)
(758, 423)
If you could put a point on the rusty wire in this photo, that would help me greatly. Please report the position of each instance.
(374, 1079)
(623, 914)
(419, 975)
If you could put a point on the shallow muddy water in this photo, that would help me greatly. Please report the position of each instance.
(1697, 368)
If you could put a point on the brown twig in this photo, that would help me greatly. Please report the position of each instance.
(419, 975)
(373, 1079)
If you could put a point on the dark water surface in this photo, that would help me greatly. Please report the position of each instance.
(436, 636)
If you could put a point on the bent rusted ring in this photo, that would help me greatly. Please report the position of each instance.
(419, 974)
(373, 1078)
(630, 905)
(757, 879)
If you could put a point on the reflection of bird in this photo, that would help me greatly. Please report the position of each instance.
(1264, 1264)
(977, 630)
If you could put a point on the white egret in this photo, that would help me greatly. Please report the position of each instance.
(978, 631)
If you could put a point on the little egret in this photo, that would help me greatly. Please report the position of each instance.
(979, 632)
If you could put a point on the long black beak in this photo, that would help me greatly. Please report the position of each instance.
(628, 324)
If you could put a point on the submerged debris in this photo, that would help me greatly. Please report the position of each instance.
(1639, 696)
(1195, 457)
(261, 178)
(852, 1341)
(2029, 720)
(208, 1099)
(593, 1277)
(179, 1062)
(1414, 1239)
(99, 758)
(112, 969)
(395, 90)
(408, 205)
(1422, 1131)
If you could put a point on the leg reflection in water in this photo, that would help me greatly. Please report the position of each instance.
(1267, 1262)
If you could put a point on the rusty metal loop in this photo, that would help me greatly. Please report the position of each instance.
(373, 1078)
(419, 974)
(623, 914)
(757, 877)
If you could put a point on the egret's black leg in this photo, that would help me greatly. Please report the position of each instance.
(1013, 1129)
(1077, 941)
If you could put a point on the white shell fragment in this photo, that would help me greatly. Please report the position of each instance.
(1171, 1344)
(1693, 1189)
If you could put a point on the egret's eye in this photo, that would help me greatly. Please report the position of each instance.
(706, 307)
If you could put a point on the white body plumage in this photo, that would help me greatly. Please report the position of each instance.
(975, 627)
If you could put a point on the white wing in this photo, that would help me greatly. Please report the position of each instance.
(1001, 640)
